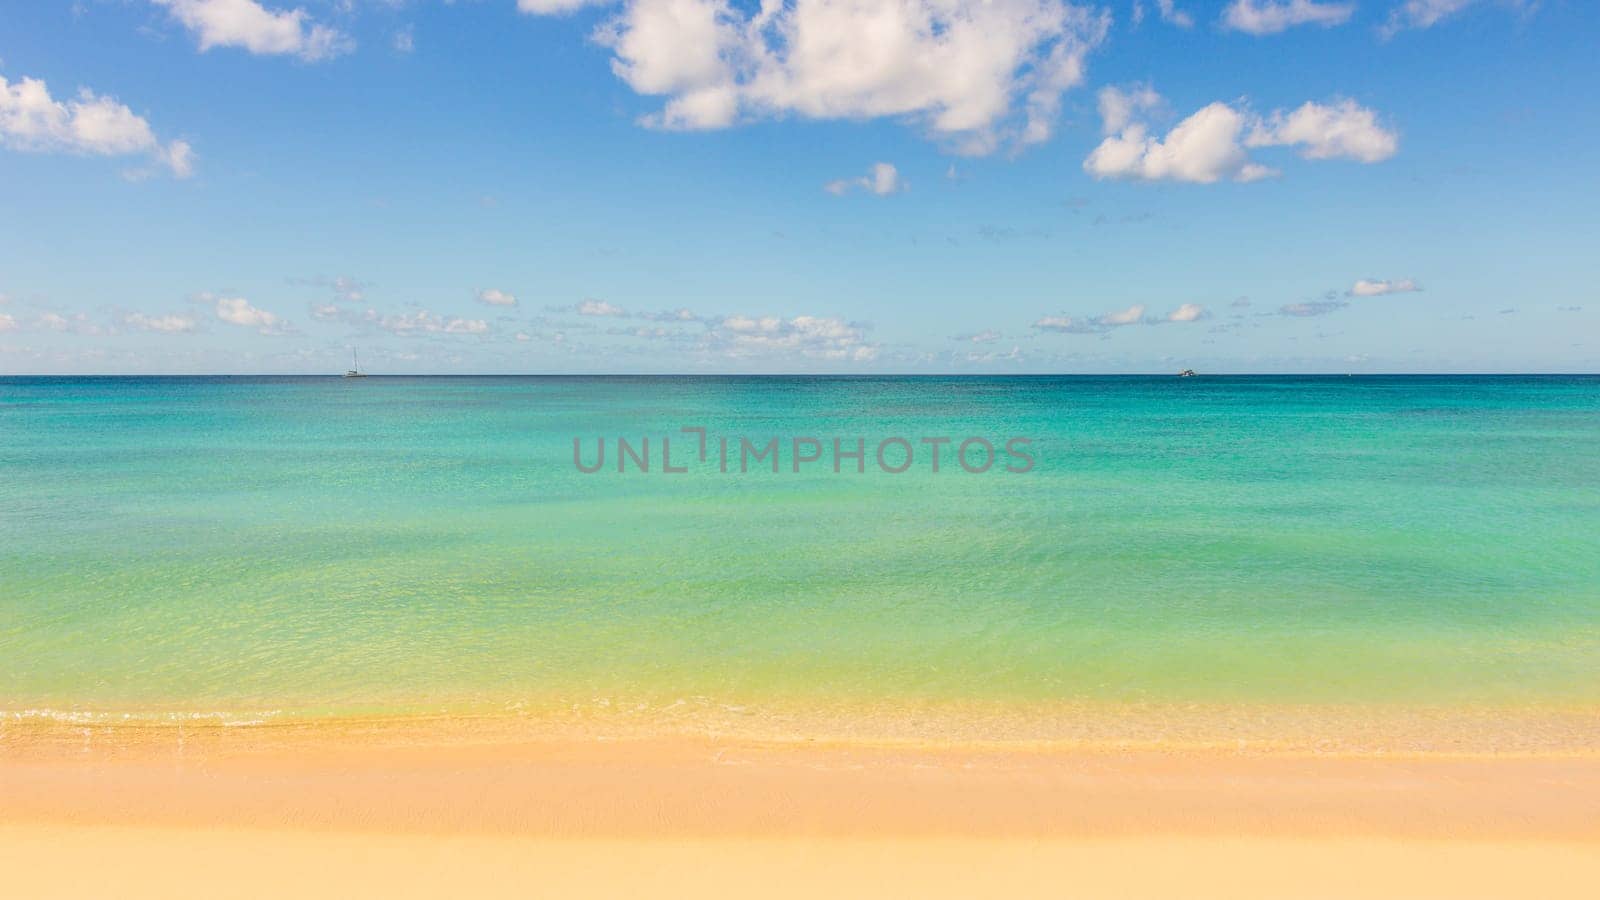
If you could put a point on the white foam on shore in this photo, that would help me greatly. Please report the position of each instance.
(99, 718)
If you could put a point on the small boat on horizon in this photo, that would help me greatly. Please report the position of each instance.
(1186, 373)
(355, 362)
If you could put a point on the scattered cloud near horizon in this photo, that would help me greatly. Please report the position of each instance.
(882, 180)
(174, 323)
(496, 297)
(423, 321)
(1373, 288)
(239, 311)
(1132, 315)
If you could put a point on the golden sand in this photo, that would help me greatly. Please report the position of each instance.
(439, 808)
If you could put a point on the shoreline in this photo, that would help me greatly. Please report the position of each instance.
(531, 777)
(499, 807)
(1355, 730)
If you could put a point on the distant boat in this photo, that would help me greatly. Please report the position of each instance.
(1186, 373)
(356, 362)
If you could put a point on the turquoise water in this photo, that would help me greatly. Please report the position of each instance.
(419, 544)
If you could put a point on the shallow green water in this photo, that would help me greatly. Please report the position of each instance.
(322, 545)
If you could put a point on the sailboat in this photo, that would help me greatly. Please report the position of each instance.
(355, 362)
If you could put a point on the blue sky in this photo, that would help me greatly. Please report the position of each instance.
(813, 185)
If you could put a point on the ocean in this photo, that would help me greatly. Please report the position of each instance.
(322, 547)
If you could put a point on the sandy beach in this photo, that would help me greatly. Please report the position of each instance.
(496, 809)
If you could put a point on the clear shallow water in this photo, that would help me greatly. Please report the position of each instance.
(400, 544)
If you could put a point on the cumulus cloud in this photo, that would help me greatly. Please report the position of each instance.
(239, 311)
(1172, 15)
(680, 314)
(1066, 325)
(974, 73)
(1261, 17)
(1424, 14)
(605, 309)
(1374, 288)
(813, 337)
(1345, 130)
(496, 297)
(1210, 145)
(1121, 317)
(71, 323)
(253, 27)
(1311, 308)
(168, 324)
(1203, 148)
(348, 290)
(986, 336)
(33, 121)
(7, 323)
(1120, 108)
(593, 307)
(1132, 315)
(424, 322)
(882, 179)
(557, 7)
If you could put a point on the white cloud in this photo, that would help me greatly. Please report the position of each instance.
(1210, 145)
(1174, 16)
(1121, 317)
(261, 31)
(1421, 14)
(1311, 308)
(1375, 288)
(168, 324)
(33, 121)
(496, 297)
(1066, 325)
(814, 337)
(239, 311)
(557, 7)
(598, 308)
(986, 336)
(404, 40)
(1345, 130)
(1119, 108)
(348, 289)
(73, 323)
(7, 323)
(1203, 148)
(1132, 315)
(974, 73)
(1261, 17)
(425, 322)
(882, 179)
(680, 314)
